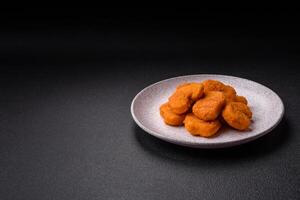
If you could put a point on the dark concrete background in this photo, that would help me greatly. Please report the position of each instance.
(67, 81)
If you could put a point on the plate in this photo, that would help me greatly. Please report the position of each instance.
(266, 105)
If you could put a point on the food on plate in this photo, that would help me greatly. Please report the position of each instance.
(209, 107)
(241, 99)
(213, 85)
(192, 90)
(179, 103)
(182, 99)
(200, 127)
(169, 116)
(237, 115)
(229, 93)
(203, 107)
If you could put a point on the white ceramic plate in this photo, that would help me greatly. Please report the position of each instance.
(265, 104)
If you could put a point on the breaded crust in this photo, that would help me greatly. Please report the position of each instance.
(192, 90)
(237, 115)
(210, 106)
(185, 94)
(199, 127)
(212, 85)
(241, 99)
(230, 93)
(170, 117)
(179, 102)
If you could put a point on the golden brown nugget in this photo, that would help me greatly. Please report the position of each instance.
(243, 108)
(230, 93)
(199, 127)
(170, 117)
(212, 85)
(237, 115)
(210, 106)
(185, 94)
(193, 90)
(182, 85)
(241, 99)
(216, 95)
(197, 91)
(179, 102)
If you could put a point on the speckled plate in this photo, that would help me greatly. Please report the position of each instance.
(265, 104)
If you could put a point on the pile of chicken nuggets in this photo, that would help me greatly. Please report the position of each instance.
(203, 107)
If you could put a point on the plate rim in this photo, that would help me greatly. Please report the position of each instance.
(205, 145)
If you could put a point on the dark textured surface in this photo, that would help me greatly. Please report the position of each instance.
(65, 126)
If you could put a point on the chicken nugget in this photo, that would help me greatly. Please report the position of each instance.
(185, 94)
(199, 127)
(230, 93)
(241, 99)
(170, 117)
(237, 115)
(212, 85)
(215, 95)
(182, 85)
(179, 102)
(193, 90)
(210, 106)
(197, 91)
(243, 108)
